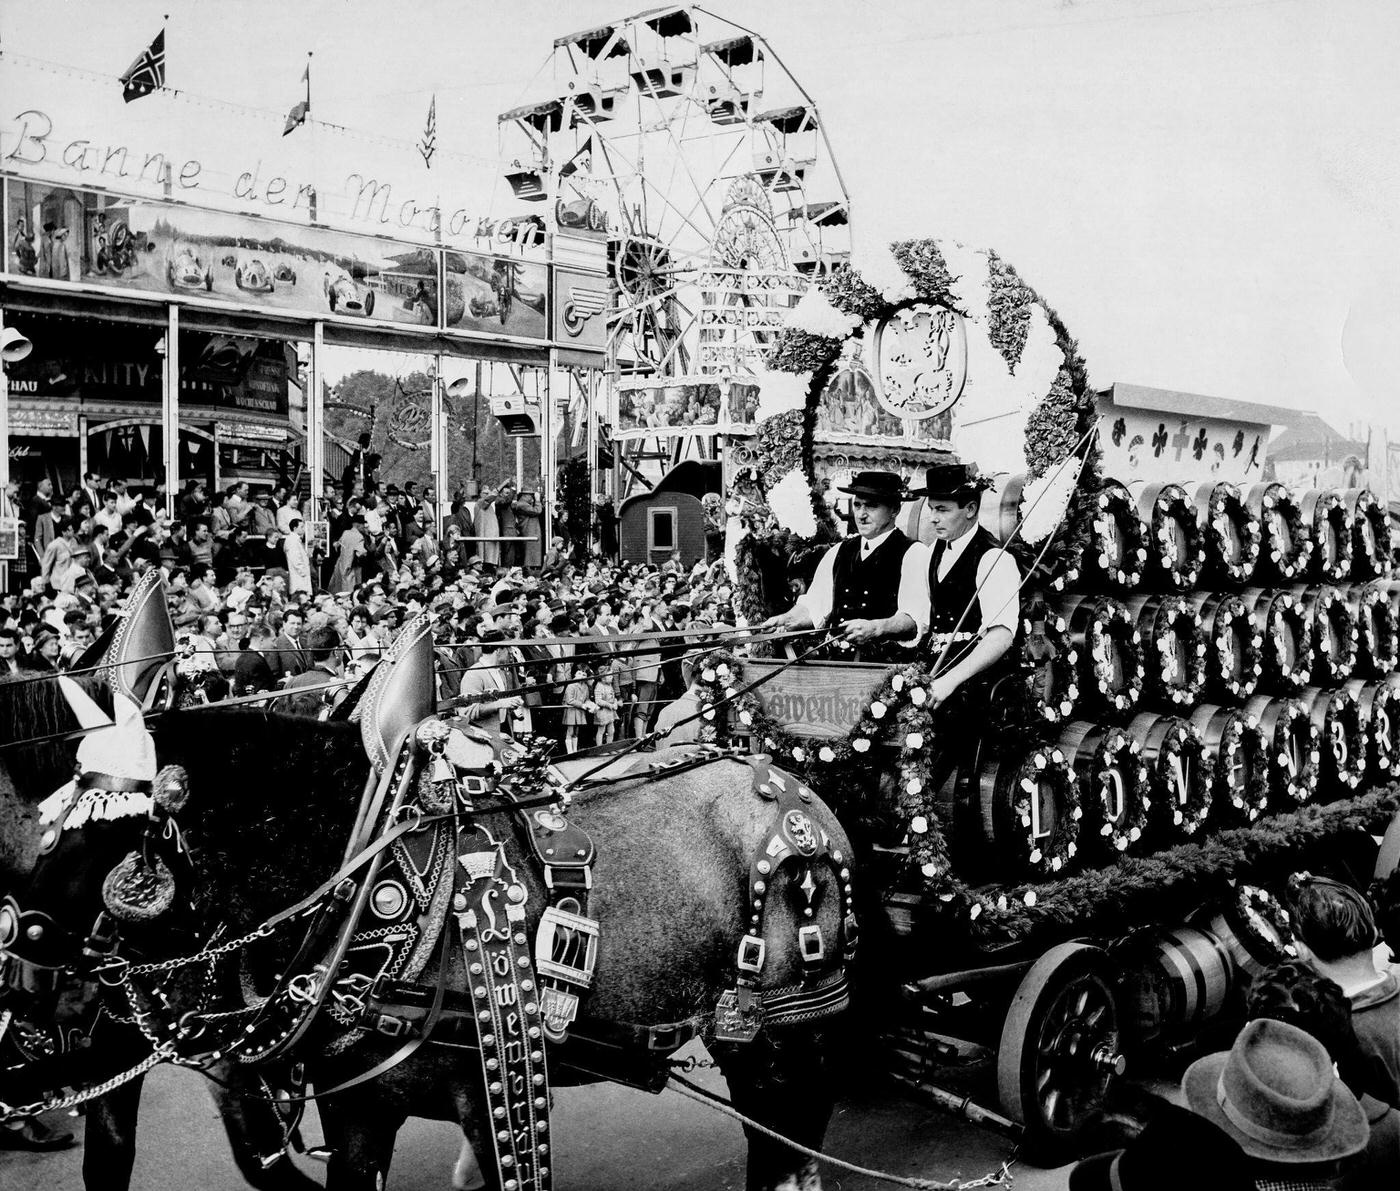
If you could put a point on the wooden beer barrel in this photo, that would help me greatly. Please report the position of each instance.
(1370, 534)
(1179, 773)
(1254, 928)
(1380, 712)
(1105, 636)
(1116, 557)
(1286, 648)
(1287, 546)
(1231, 533)
(1030, 814)
(1294, 755)
(1336, 715)
(1377, 634)
(1113, 788)
(1239, 762)
(1325, 514)
(1334, 634)
(1053, 660)
(1174, 651)
(1000, 511)
(1175, 552)
(1233, 640)
(1178, 981)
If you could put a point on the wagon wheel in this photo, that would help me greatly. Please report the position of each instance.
(1059, 1048)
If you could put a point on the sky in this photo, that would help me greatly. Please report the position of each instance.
(1208, 193)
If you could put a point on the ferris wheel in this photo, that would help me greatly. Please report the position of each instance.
(682, 140)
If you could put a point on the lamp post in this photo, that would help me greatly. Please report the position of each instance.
(14, 346)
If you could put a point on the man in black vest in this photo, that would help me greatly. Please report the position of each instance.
(871, 588)
(974, 605)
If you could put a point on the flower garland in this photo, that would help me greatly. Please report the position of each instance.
(1233, 659)
(1180, 771)
(1288, 547)
(1104, 631)
(1378, 639)
(1233, 535)
(1371, 537)
(1114, 787)
(1174, 635)
(1341, 728)
(1117, 554)
(1294, 756)
(1265, 921)
(1332, 531)
(1240, 757)
(1179, 555)
(1287, 655)
(1035, 854)
(1334, 636)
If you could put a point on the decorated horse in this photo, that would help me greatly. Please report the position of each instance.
(414, 911)
(34, 709)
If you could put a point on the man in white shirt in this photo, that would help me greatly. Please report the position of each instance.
(973, 586)
(870, 589)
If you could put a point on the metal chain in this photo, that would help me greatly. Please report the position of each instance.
(208, 954)
(73, 1099)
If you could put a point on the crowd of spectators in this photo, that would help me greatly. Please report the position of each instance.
(264, 602)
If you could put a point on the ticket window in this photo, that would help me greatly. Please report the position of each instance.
(661, 534)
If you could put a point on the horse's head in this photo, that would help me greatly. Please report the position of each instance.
(111, 859)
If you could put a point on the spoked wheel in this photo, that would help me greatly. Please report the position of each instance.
(1059, 1049)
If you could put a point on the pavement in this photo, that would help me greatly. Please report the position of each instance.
(606, 1137)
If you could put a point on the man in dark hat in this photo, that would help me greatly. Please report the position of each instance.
(973, 586)
(870, 589)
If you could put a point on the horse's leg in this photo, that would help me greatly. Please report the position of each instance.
(781, 1080)
(255, 1135)
(360, 1131)
(109, 1138)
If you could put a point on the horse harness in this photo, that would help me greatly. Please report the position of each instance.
(427, 865)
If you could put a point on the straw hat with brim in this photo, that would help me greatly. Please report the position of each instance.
(1276, 1094)
(1152, 1160)
(876, 485)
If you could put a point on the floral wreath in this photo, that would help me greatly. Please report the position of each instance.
(1378, 636)
(1095, 751)
(1178, 572)
(1116, 512)
(1331, 522)
(1228, 733)
(1343, 733)
(1039, 368)
(1231, 624)
(1287, 559)
(1169, 617)
(1054, 676)
(1265, 929)
(1226, 512)
(1334, 637)
(1383, 727)
(1163, 744)
(1371, 537)
(1284, 612)
(1096, 622)
(1034, 857)
(1282, 721)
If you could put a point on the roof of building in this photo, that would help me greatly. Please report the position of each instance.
(1308, 436)
(1197, 405)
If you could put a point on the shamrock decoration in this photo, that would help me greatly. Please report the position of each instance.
(1120, 430)
(1159, 440)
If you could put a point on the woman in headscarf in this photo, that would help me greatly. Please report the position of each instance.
(488, 527)
(351, 552)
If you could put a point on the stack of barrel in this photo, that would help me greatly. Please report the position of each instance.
(1223, 654)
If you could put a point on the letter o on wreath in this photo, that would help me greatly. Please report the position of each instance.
(1287, 547)
(1102, 631)
(1174, 665)
(1370, 534)
(1116, 557)
(1334, 636)
(1232, 533)
(1175, 552)
(1330, 521)
(1053, 666)
(1285, 624)
(1378, 635)
(1233, 643)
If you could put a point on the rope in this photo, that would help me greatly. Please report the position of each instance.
(997, 1178)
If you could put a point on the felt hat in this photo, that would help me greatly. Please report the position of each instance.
(876, 485)
(1152, 1160)
(946, 481)
(1276, 1094)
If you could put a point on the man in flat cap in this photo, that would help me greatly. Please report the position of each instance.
(973, 586)
(870, 589)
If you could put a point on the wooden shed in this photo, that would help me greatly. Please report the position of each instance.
(652, 525)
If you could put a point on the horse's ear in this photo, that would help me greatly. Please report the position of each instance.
(128, 711)
(138, 889)
(88, 713)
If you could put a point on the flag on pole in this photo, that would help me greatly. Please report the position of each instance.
(301, 109)
(581, 160)
(148, 71)
(428, 145)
